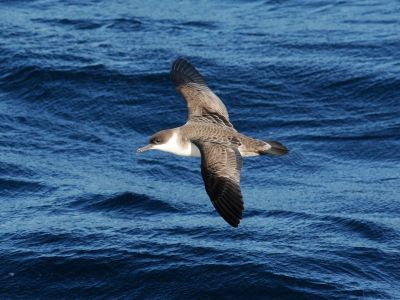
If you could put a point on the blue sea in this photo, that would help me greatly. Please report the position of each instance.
(83, 84)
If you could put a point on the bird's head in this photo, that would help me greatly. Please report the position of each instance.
(158, 141)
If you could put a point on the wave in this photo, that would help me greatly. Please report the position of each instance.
(13, 169)
(200, 24)
(127, 202)
(123, 24)
(115, 273)
(17, 185)
(367, 229)
(388, 133)
(97, 73)
(281, 214)
(90, 92)
(207, 231)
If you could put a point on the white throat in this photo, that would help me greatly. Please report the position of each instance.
(178, 148)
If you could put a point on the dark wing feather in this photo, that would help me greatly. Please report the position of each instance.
(199, 98)
(220, 168)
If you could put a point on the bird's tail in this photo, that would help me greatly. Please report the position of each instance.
(276, 149)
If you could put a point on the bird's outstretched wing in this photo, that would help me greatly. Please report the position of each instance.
(201, 101)
(220, 168)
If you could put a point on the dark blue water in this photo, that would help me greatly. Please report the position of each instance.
(84, 83)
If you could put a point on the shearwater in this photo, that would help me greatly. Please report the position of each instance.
(209, 133)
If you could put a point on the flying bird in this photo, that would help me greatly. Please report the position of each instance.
(209, 134)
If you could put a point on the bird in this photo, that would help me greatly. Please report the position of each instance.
(209, 134)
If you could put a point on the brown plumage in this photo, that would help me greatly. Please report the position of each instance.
(209, 133)
(220, 168)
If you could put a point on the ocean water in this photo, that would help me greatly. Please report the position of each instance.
(84, 83)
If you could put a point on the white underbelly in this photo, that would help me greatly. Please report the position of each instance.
(188, 149)
(181, 149)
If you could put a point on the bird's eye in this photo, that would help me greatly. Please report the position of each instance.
(158, 141)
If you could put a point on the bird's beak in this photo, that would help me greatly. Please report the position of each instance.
(145, 148)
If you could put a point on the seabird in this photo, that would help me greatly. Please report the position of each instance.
(209, 133)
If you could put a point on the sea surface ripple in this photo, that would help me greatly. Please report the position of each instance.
(84, 83)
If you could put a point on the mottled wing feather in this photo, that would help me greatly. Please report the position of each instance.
(199, 98)
(220, 168)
